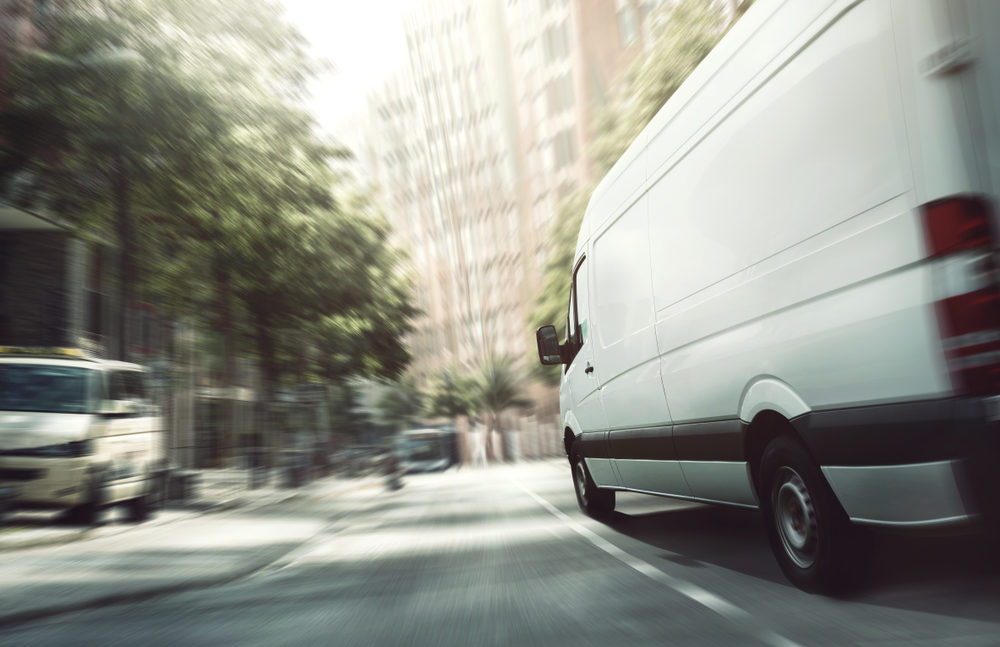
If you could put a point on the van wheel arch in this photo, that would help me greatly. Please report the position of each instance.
(568, 439)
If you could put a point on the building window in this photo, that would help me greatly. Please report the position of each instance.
(628, 28)
(555, 42)
(564, 148)
(559, 94)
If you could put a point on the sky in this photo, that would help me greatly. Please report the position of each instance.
(364, 41)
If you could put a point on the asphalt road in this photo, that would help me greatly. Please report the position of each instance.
(503, 557)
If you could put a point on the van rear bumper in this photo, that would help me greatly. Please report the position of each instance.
(924, 494)
(917, 464)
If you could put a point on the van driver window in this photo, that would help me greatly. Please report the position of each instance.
(582, 302)
(571, 316)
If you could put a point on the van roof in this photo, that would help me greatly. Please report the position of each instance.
(67, 360)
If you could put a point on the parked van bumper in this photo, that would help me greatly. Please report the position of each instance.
(917, 464)
(40, 483)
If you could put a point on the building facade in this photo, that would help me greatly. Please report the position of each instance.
(474, 142)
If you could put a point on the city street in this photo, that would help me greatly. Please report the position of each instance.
(496, 556)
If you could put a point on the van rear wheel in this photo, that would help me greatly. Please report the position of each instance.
(592, 500)
(810, 534)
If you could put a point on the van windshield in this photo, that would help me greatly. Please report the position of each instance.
(52, 389)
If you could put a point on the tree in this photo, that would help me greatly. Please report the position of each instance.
(400, 404)
(497, 389)
(452, 394)
(682, 35)
(175, 125)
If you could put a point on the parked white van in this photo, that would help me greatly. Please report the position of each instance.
(785, 294)
(78, 434)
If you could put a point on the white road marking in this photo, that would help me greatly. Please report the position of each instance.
(694, 592)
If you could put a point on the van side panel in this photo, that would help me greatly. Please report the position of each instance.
(782, 190)
(787, 223)
(625, 354)
(625, 343)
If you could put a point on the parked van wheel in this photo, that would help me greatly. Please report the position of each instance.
(809, 532)
(592, 500)
(90, 512)
(140, 508)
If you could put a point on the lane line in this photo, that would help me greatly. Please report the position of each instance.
(689, 590)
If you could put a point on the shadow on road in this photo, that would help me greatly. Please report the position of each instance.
(946, 575)
(732, 539)
(956, 575)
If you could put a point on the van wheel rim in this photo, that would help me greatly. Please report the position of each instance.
(795, 517)
(580, 479)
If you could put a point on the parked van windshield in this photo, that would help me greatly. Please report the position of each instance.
(52, 389)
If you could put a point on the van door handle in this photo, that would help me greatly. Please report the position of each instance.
(589, 369)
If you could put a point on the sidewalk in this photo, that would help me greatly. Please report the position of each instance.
(178, 550)
(212, 490)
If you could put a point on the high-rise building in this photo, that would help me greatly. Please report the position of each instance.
(472, 145)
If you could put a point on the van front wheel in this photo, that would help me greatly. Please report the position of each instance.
(592, 500)
(91, 511)
(809, 532)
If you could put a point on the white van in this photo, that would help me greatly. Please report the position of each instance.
(78, 434)
(785, 295)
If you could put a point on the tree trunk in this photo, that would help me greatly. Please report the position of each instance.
(268, 365)
(502, 438)
(127, 269)
(224, 320)
(488, 439)
(495, 449)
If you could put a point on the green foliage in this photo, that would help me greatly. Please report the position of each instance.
(498, 387)
(172, 128)
(451, 394)
(492, 388)
(681, 37)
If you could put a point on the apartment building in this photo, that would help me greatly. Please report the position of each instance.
(474, 142)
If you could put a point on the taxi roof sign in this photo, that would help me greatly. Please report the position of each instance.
(48, 351)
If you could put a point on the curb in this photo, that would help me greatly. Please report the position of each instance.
(142, 595)
(44, 541)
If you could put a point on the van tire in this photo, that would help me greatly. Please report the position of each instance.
(91, 511)
(138, 509)
(592, 500)
(809, 532)
(142, 507)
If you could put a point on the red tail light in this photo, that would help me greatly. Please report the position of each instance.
(960, 234)
(959, 223)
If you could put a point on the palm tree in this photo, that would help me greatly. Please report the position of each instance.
(498, 388)
(451, 395)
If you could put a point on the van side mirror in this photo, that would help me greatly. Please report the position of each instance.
(548, 346)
